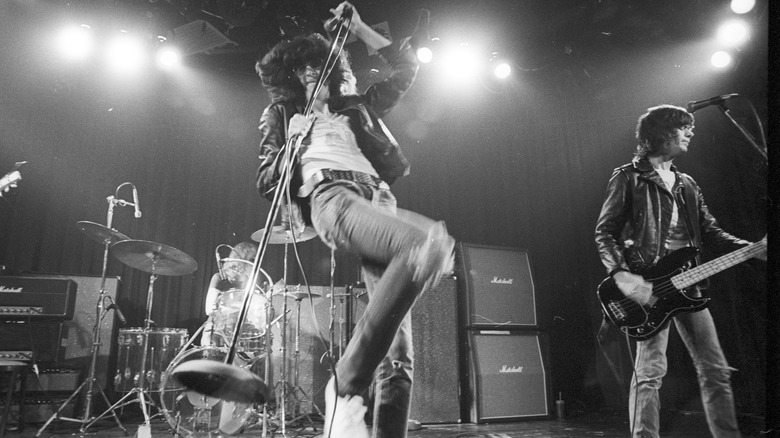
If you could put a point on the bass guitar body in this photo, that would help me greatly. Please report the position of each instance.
(644, 321)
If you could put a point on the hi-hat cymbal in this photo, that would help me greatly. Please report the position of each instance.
(296, 294)
(299, 295)
(154, 257)
(220, 380)
(280, 235)
(100, 233)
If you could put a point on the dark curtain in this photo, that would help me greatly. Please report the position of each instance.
(520, 166)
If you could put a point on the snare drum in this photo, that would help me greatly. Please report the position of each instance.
(252, 336)
(162, 346)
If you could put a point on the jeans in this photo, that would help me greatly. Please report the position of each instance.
(401, 254)
(697, 331)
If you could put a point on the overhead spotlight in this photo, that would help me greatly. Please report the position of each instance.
(501, 67)
(742, 6)
(168, 57)
(425, 54)
(461, 63)
(75, 42)
(502, 70)
(421, 37)
(733, 33)
(721, 59)
(125, 53)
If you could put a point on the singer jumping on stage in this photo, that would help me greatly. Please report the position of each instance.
(341, 182)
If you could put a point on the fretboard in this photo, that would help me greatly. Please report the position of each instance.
(706, 270)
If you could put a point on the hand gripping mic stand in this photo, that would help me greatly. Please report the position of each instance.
(91, 384)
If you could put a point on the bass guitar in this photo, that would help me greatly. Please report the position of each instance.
(670, 278)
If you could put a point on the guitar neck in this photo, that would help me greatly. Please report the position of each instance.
(706, 270)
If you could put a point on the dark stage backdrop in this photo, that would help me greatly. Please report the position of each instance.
(524, 166)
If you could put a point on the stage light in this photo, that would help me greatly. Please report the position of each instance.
(742, 6)
(721, 59)
(422, 37)
(733, 33)
(168, 57)
(76, 42)
(125, 53)
(425, 54)
(502, 70)
(461, 63)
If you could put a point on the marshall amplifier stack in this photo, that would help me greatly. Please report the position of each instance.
(503, 373)
(32, 315)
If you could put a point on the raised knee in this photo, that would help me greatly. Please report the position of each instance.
(433, 257)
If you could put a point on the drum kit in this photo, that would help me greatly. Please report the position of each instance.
(200, 380)
(213, 389)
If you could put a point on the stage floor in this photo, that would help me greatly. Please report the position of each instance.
(605, 423)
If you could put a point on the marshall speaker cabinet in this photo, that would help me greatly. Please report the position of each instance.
(496, 287)
(435, 396)
(506, 377)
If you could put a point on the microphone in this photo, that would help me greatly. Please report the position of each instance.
(135, 200)
(717, 100)
(331, 24)
(118, 312)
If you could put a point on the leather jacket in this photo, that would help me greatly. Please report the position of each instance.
(633, 228)
(364, 112)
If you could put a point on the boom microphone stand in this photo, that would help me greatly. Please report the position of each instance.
(91, 384)
(228, 381)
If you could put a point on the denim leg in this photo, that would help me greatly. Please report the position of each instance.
(393, 378)
(413, 252)
(697, 331)
(649, 370)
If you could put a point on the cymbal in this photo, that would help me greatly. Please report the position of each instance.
(217, 379)
(280, 235)
(154, 257)
(100, 233)
(299, 295)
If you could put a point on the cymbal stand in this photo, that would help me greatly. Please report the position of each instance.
(91, 382)
(296, 364)
(332, 322)
(145, 430)
(283, 382)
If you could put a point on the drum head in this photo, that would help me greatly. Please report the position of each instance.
(226, 315)
(193, 414)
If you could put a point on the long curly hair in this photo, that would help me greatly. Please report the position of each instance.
(277, 68)
(656, 127)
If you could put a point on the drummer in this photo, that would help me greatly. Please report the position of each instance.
(233, 275)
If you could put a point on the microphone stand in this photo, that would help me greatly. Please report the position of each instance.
(289, 152)
(100, 312)
(743, 131)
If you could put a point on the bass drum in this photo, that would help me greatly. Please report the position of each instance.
(192, 414)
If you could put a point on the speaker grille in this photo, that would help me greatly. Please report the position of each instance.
(497, 287)
(507, 376)
(435, 393)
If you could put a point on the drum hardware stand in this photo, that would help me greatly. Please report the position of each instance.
(91, 383)
(143, 397)
(296, 388)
